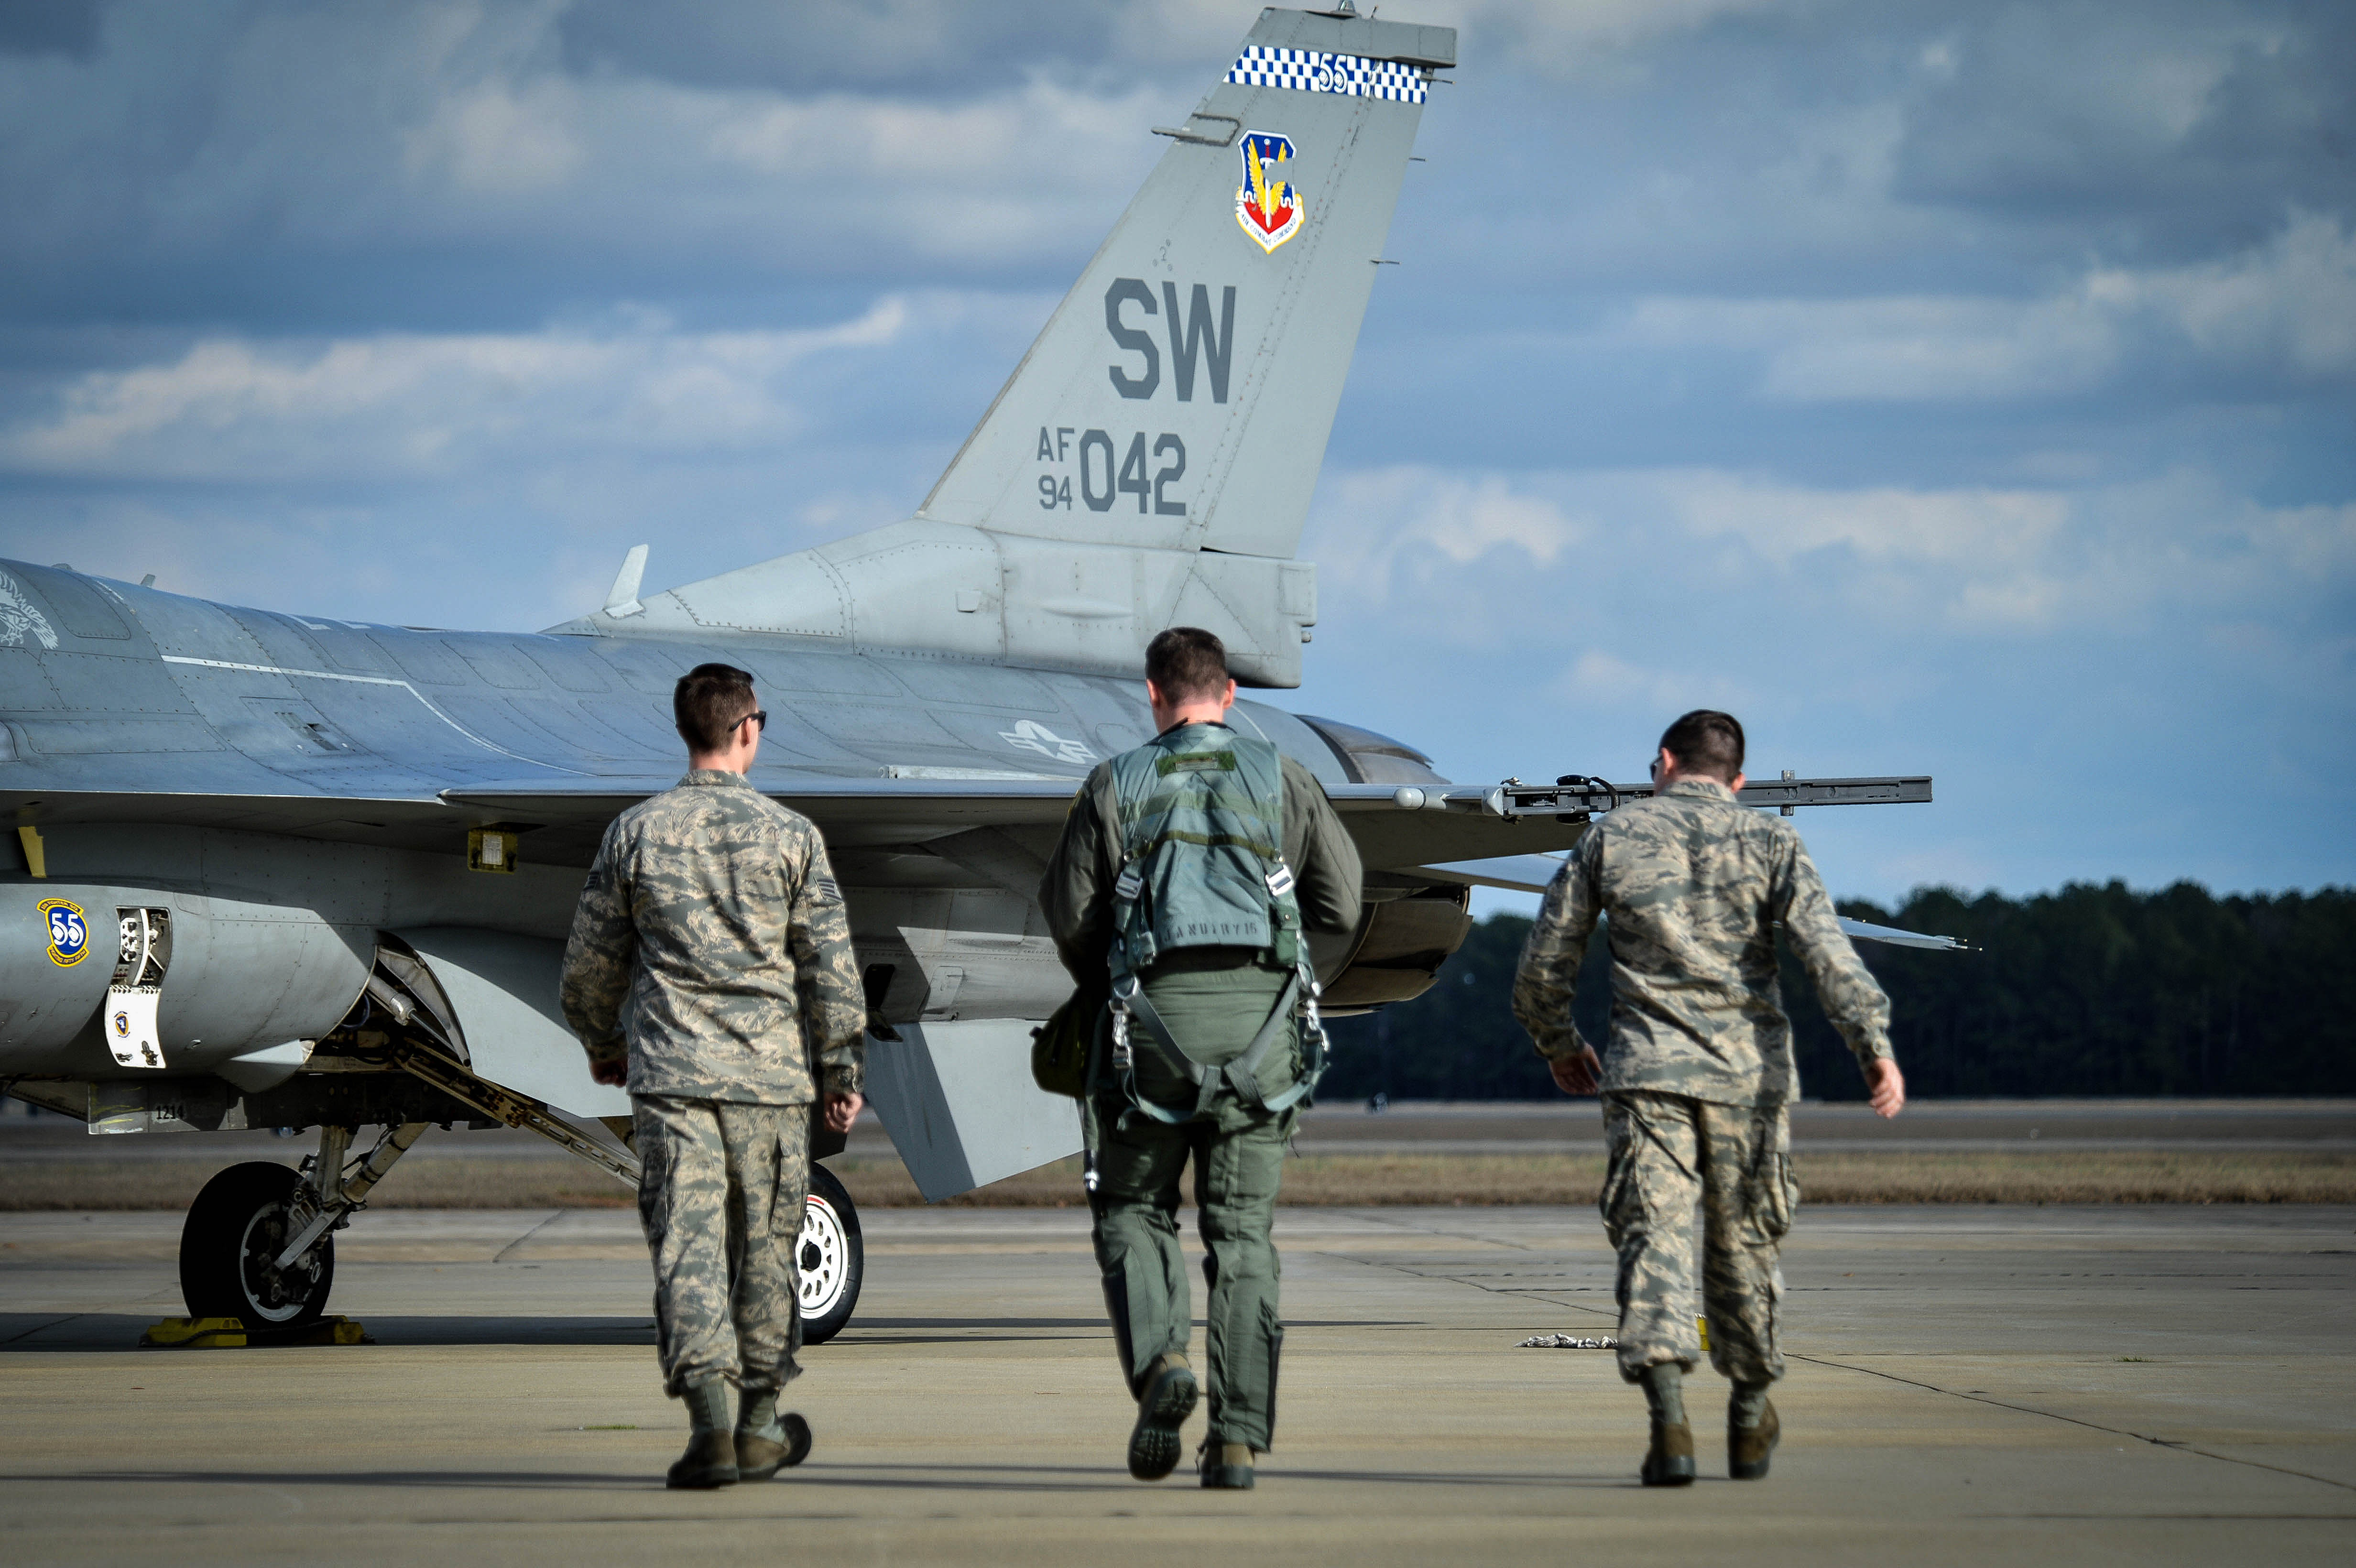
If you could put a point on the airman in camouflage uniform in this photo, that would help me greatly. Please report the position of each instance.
(711, 968)
(1698, 1071)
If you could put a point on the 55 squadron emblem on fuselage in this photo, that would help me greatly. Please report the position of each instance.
(69, 930)
(1269, 205)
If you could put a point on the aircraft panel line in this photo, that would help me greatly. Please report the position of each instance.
(371, 680)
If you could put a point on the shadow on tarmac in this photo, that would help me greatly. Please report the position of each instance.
(84, 1331)
(121, 1331)
(986, 1479)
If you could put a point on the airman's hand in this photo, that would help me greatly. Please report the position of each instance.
(1886, 1087)
(841, 1110)
(616, 1071)
(1577, 1074)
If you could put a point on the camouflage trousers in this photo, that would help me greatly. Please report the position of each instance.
(1238, 1156)
(1665, 1152)
(719, 1195)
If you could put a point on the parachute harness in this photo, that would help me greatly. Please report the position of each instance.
(1189, 824)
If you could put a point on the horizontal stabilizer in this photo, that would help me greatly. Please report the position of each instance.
(1859, 931)
(1514, 873)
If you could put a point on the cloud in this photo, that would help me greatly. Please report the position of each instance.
(497, 139)
(2289, 306)
(1385, 523)
(2283, 309)
(1598, 678)
(198, 136)
(1953, 386)
(2175, 123)
(410, 406)
(1458, 554)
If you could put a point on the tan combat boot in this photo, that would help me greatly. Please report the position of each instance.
(1227, 1467)
(1669, 1462)
(711, 1457)
(1747, 1447)
(767, 1441)
(1161, 1410)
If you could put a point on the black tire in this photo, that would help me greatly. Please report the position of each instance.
(234, 1232)
(832, 1258)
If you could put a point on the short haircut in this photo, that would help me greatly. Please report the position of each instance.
(1705, 742)
(1185, 662)
(708, 702)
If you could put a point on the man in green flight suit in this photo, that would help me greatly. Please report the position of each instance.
(1699, 1071)
(711, 970)
(1188, 873)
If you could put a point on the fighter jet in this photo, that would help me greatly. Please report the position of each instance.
(284, 871)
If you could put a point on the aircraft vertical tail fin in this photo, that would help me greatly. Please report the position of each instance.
(1149, 461)
(1182, 394)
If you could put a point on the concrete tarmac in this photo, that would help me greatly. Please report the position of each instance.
(1501, 1127)
(1968, 1385)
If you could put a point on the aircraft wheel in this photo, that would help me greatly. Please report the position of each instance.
(833, 1259)
(229, 1246)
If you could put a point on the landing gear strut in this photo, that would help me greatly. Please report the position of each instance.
(259, 1242)
(229, 1246)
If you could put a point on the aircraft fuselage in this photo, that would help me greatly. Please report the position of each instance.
(275, 784)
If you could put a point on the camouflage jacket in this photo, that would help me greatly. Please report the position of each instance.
(1694, 885)
(710, 946)
(1076, 893)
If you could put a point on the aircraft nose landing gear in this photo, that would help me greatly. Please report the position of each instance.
(230, 1247)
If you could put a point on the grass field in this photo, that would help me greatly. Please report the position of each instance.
(1898, 1176)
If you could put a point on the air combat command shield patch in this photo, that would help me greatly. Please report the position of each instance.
(1269, 205)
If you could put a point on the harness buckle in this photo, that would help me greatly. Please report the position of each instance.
(1124, 1059)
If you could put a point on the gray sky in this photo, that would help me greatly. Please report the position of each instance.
(1959, 387)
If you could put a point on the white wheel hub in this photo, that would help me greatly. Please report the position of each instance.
(270, 1295)
(823, 1255)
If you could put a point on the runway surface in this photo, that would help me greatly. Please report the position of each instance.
(1456, 1127)
(1968, 1385)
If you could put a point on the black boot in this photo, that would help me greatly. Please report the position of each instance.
(711, 1457)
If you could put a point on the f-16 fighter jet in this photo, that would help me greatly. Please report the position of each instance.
(278, 870)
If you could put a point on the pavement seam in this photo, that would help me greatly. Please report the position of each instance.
(37, 1327)
(501, 1256)
(1520, 1293)
(1376, 1216)
(2168, 1443)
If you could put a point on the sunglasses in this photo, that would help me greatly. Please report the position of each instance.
(759, 717)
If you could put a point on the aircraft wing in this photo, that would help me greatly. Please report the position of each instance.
(1531, 873)
(1395, 830)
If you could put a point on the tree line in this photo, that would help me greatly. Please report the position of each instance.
(2090, 991)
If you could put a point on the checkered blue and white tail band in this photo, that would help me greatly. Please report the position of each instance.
(1309, 71)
